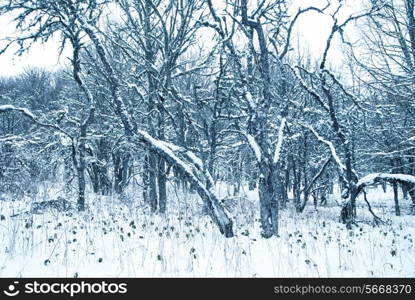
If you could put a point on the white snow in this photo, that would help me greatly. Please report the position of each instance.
(254, 146)
(280, 140)
(196, 160)
(171, 148)
(250, 99)
(369, 179)
(309, 89)
(104, 242)
(161, 146)
(330, 145)
(8, 107)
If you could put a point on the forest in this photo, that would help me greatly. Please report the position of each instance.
(202, 138)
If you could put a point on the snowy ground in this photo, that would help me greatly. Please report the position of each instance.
(114, 239)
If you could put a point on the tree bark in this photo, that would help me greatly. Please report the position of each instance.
(81, 171)
(395, 198)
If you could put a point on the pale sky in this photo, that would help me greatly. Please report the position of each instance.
(312, 29)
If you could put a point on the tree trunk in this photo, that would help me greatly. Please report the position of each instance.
(161, 170)
(252, 182)
(162, 186)
(384, 186)
(121, 162)
(67, 173)
(404, 191)
(395, 198)
(268, 205)
(297, 190)
(152, 183)
(98, 175)
(286, 185)
(411, 192)
(315, 197)
(81, 171)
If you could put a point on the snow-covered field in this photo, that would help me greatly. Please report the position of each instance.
(120, 239)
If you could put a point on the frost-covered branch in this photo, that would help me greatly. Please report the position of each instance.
(33, 118)
(306, 190)
(309, 89)
(347, 93)
(330, 145)
(254, 146)
(378, 177)
(208, 195)
(280, 140)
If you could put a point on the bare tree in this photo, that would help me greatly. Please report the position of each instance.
(83, 16)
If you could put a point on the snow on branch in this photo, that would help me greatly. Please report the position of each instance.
(170, 150)
(189, 169)
(196, 163)
(280, 140)
(163, 147)
(250, 100)
(317, 176)
(34, 119)
(353, 97)
(254, 146)
(196, 160)
(308, 88)
(378, 177)
(25, 111)
(329, 144)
